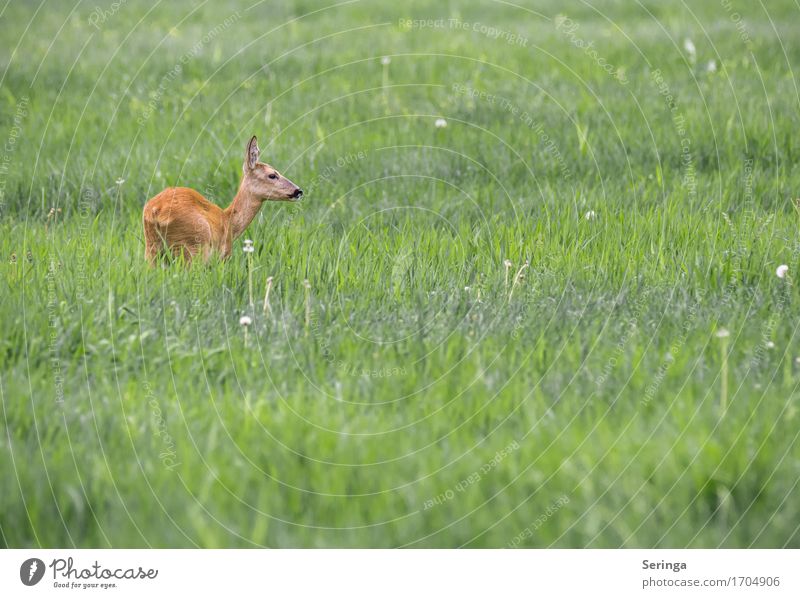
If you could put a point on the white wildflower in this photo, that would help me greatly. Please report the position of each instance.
(440, 123)
(688, 45)
(590, 215)
(385, 60)
(723, 333)
(782, 271)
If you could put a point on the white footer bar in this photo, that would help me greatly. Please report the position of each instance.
(400, 573)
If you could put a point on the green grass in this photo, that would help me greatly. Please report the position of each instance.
(134, 413)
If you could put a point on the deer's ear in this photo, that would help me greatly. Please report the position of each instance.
(251, 156)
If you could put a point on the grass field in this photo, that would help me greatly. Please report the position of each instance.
(641, 158)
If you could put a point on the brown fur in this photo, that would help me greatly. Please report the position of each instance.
(180, 221)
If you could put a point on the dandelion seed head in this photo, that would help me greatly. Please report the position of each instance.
(723, 333)
(781, 271)
(385, 60)
(245, 321)
(770, 345)
(440, 123)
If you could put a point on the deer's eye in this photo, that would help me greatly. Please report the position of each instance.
(273, 176)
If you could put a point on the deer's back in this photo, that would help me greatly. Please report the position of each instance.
(185, 217)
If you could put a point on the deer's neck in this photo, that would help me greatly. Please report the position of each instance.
(242, 210)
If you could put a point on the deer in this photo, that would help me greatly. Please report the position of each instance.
(181, 222)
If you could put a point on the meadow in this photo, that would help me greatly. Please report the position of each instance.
(530, 297)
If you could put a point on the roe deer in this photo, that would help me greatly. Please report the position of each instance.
(180, 221)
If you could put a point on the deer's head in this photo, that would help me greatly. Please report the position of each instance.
(263, 181)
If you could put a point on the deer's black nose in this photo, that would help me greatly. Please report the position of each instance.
(297, 193)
